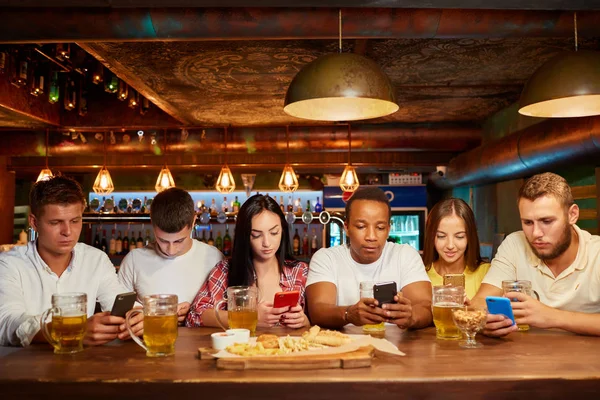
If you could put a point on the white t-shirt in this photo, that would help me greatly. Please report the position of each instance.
(400, 263)
(27, 285)
(146, 272)
(577, 288)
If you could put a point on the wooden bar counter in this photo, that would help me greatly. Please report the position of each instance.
(531, 365)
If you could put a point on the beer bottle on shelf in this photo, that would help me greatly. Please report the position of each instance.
(143, 209)
(119, 244)
(125, 243)
(281, 205)
(296, 243)
(103, 244)
(236, 205)
(219, 242)
(314, 243)
(225, 205)
(97, 239)
(305, 243)
(213, 207)
(139, 242)
(210, 241)
(227, 243)
(290, 206)
(318, 206)
(308, 208)
(132, 241)
(299, 205)
(112, 246)
(147, 239)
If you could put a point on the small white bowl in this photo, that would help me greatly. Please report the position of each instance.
(220, 340)
(241, 335)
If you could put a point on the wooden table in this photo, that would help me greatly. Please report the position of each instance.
(531, 365)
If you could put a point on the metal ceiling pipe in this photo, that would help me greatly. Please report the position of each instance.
(365, 138)
(94, 24)
(540, 147)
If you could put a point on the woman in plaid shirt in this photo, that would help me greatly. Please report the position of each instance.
(261, 257)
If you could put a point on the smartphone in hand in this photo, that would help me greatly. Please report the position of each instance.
(123, 303)
(284, 299)
(500, 305)
(384, 292)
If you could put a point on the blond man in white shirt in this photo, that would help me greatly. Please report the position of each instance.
(561, 261)
(56, 263)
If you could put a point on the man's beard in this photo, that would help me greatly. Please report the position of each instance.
(562, 246)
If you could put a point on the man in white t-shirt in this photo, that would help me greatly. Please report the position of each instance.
(333, 286)
(175, 263)
(561, 261)
(56, 263)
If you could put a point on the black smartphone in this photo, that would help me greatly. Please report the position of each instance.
(384, 292)
(123, 303)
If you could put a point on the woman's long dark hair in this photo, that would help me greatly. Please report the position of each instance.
(241, 267)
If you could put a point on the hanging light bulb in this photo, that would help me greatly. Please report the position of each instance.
(111, 82)
(53, 92)
(103, 184)
(225, 182)
(288, 181)
(349, 179)
(46, 173)
(134, 99)
(99, 74)
(123, 91)
(340, 87)
(165, 178)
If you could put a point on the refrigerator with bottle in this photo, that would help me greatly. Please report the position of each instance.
(409, 214)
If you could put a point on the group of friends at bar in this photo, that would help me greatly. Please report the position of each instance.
(561, 260)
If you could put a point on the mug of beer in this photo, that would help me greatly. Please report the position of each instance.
(366, 292)
(160, 324)
(520, 287)
(445, 299)
(69, 322)
(241, 308)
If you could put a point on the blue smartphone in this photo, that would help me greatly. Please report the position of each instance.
(500, 305)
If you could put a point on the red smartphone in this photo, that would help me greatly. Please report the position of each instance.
(284, 299)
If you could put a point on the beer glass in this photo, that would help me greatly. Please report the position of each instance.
(445, 299)
(520, 287)
(69, 322)
(366, 292)
(160, 324)
(241, 308)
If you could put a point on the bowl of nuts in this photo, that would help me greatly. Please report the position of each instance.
(470, 320)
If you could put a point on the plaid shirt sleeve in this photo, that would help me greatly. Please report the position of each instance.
(294, 278)
(209, 294)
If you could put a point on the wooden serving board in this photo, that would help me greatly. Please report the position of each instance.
(360, 358)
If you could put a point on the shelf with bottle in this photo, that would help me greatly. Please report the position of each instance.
(123, 237)
(404, 233)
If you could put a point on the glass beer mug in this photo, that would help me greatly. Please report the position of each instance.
(160, 324)
(445, 299)
(520, 287)
(69, 322)
(241, 308)
(377, 330)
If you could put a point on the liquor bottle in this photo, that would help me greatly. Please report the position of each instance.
(305, 243)
(224, 205)
(132, 241)
(318, 206)
(290, 206)
(112, 244)
(103, 244)
(227, 243)
(210, 241)
(119, 244)
(281, 205)
(125, 243)
(308, 206)
(147, 239)
(97, 239)
(296, 242)
(213, 207)
(219, 242)
(314, 243)
(203, 240)
(299, 205)
(139, 243)
(236, 205)
(143, 209)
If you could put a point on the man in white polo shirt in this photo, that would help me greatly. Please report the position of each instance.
(56, 263)
(175, 263)
(561, 261)
(335, 273)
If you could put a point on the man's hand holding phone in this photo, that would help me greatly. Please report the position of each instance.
(399, 312)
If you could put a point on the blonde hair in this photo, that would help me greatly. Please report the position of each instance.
(547, 184)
